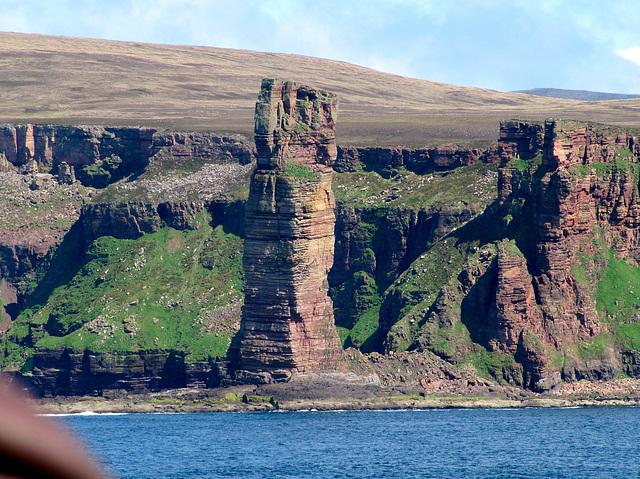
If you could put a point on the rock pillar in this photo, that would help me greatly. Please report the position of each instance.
(288, 322)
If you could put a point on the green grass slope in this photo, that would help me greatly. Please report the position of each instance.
(169, 290)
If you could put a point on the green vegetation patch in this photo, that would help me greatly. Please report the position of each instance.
(628, 336)
(580, 270)
(356, 295)
(493, 364)
(365, 334)
(596, 348)
(170, 290)
(298, 171)
(526, 165)
(624, 153)
(100, 173)
(435, 268)
(618, 293)
(452, 343)
(620, 166)
(405, 397)
(475, 184)
(435, 275)
(343, 334)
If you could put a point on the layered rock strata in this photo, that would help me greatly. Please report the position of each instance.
(444, 157)
(288, 322)
(134, 219)
(66, 371)
(77, 146)
(579, 187)
(80, 146)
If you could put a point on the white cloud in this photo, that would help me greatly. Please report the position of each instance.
(632, 54)
(398, 65)
(15, 20)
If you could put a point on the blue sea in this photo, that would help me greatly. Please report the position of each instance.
(450, 443)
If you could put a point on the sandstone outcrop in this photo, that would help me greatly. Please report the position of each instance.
(126, 220)
(134, 219)
(566, 206)
(66, 173)
(65, 371)
(415, 159)
(527, 279)
(288, 322)
(112, 152)
(50, 145)
(190, 145)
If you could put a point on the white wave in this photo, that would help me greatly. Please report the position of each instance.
(86, 413)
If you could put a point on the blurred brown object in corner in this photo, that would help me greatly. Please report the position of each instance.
(33, 446)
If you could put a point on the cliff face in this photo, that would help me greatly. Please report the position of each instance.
(77, 146)
(543, 282)
(131, 220)
(77, 372)
(579, 190)
(519, 262)
(288, 321)
(64, 189)
(50, 145)
(419, 160)
(45, 200)
(54, 222)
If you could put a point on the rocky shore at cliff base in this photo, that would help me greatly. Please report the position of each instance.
(334, 395)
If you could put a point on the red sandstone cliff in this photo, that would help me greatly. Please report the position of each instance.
(531, 290)
(568, 194)
(580, 186)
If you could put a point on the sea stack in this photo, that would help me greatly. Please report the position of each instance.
(287, 324)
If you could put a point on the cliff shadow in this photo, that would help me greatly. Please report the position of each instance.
(58, 267)
(173, 374)
(478, 307)
(228, 215)
(9, 309)
(232, 358)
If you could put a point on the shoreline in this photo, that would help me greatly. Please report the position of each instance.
(197, 401)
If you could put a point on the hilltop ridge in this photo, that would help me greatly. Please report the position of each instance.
(62, 80)
(582, 95)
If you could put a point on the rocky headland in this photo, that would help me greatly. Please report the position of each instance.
(134, 260)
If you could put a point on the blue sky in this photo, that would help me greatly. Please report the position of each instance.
(498, 44)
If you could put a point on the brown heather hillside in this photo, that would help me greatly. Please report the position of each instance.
(47, 79)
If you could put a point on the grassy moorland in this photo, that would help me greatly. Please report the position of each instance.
(48, 79)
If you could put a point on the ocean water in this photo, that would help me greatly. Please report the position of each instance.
(450, 443)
